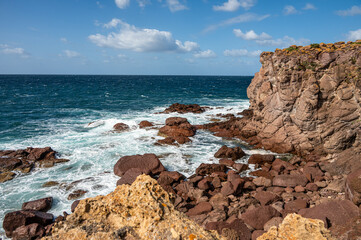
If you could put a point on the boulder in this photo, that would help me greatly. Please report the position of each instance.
(176, 176)
(145, 124)
(200, 208)
(77, 194)
(261, 159)
(257, 217)
(13, 220)
(296, 227)
(335, 212)
(9, 164)
(43, 204)
(130, 175)
(207, 169)
(276, 221)
(353, 187)
(146, 163)
(290, 180)
(235, 229)
(31, 231)
(184, 108)
(226, 152)
(36, 154)
(266, 198)
(120, 127)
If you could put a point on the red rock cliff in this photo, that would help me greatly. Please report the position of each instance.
(307, 100)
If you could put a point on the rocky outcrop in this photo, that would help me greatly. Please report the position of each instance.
(176, 129)
(25, 160)
(296, 227)
(140, 211)
(184, 108)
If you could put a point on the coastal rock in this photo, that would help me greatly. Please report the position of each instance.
(14, 220)
(353, 187)
(130, 176)
(207, 169)
(120, 127)
(148, 163)
(43, 204)
(145, 124)
(142, 210)
(290, 180)
(256, 218)
(183, 108)
(261, 159)
(178, 129)
(31, 231)
(232, 153)
(333, 212)
(296, 227)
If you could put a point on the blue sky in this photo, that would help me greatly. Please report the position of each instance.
(181, 37)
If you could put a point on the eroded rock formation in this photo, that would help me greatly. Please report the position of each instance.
(140, 211)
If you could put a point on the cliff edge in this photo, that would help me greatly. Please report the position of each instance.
(142, 210)
(307, 100)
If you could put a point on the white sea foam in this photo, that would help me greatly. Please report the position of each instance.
(94, 148)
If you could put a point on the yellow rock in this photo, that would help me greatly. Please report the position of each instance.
(295, 227)
(140, 211)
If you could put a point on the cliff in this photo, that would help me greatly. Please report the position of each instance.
(307, 100)
(142, 210)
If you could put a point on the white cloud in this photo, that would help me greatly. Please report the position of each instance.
(354, 35)
(64, 40)
(6, 49)
(289, 10)
(251, 35)
(136, 39)
(143, 3)
(205, 54)
(113, 23)
(309, 6)
(122, 3)
(71, 54)
(354, 10)
(286, 41)
(175, 5)
(241, 53)
(247, 17)
(233, 5)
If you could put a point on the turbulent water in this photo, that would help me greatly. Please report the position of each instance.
(55, 111)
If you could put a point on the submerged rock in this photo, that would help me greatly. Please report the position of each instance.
(295, 227)
(140, 211)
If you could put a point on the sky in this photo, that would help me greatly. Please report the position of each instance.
(163, 37)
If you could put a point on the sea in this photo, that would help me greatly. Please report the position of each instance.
(75, 114)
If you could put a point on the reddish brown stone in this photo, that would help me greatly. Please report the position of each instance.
(207, 169)
(261, 159)
(311, 187)
(176, 176)
(146, 163)
(145, 124)
(227, 162)
(226, 152)
(353, 187)
(204, 184)
(240, 167)
(312, 172)
(336, 212)
(43, 204)
(183, 108)
(279, 165)
(227, 189)
(74, 205)
(200, 208)
(295, 205)
(120, 127)
(290, 180)
(256, 218)
(31, 231)
(257, 233)
(266, 198)
(130, 176)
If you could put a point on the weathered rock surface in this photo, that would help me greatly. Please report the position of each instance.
(177, 129)
(43, 204)
(147, 163)
(353, 187)
(140, 211)
(296, 227)
(183, 108)
(145, 124)
(120, 127)
(25, 160)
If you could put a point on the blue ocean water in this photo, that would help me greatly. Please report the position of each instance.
(55, 110)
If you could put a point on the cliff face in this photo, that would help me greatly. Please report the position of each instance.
(307, 99)
(140, 211)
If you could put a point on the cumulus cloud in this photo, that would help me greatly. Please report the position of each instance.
(143, 3)
(175, 5)
(247, 17)
(6, 49)
(289, 10)
(309, 6)
(283, 42)
(205, 54)
(354, 35)
(241, 53)
(122, 4)
(64, 40)
(233, 5)
(251, 35)
(354, 10)
(71, 54)
(136, 39)
(113, 23)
